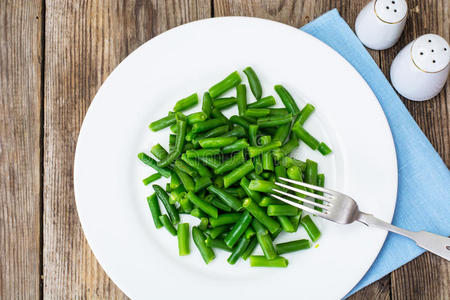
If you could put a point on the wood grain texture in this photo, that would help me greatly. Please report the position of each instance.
(84, 42)
(20, 129)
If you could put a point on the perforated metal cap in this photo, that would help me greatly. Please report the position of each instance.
(430, 53)
(391, 11)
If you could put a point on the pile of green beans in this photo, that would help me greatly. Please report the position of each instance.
(222, 170)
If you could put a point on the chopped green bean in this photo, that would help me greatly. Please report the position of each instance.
(181, 165)
(280, 171)
(224, 219)
(267, 160)
(227, 198)
(218, 131)
(286, 148)
(257, 112)
(250, 193)
(153, 204)
(217, 142)
(263, 103)
(324, 149)
(203, 224)
(238, 173)
(230, 164)
(196, 117)
(152, 163)
(253, 135)
(293, 246)
(262, 186)
(286, 224)
(198, 213)
(287, 99)
(185, 204)
(260, 215)
(220, 205)
(151, 178)
(183, 239)
(237, 131)
(273, 121)
(203, 205)
(170, 208)
(174, 180)
(238, 229)
(217, 243)
(265, 241)
(238, 250)
(281, 210)
(305, 136)
(207, 125)
(236, 146)
(202, 183)
(216, 231)
(241, 95)
(240, 121)
(289, 162)
(278, 111)
(282, 133)
(207, 104)
(199, 240)
(185, 179)
(159, 152)
(254, 83)
(164, 219)
(186, 103)
(305, 113)
(162, 123)
(254, 151)
(179, 142)
(210, 161)
(311, 173)
(257, 161)
(228, 83)
(197, 166)
(266, 201)
(261, 261)
(310, 227)
(222, 103)
(295, 221)
(250, 248)
(202, 153)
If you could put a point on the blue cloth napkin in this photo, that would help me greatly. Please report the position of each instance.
(423, 199)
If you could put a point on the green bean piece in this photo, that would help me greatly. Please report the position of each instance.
(203, 224)
(262, 186)
(218, 131)
(185, 204)
(203, 205)
(171, 209)
(179, 141)
(249, 232)
(266, 175)
(253, 135)
(177, 194)
(202, 183)
(278, 111)
(237, 131)
(236, 146)
(153, 204)
(281, 210)
(238, 173)
(238, 229)
(250, 248)
(180, 164)
(183, 239)
(210, 161)
(196, 117)
(311, 173)
(266, 201)
(188, 146)
(185, 179)
(305, 136)
(216, 113)
(186, 103)
(305, 113)
(227, 198)
(261, 261)
(260, 215)
(287, 148)
(224, 219)
(151, 178)
(273, 121)
(217, 243)
(174, 180)
(295, 174)
(287, 99)
(256, 112)
(267, 160)
(199, 240)
(259, 228)
(321, 183)
(324, 149)
(222, 103)
(310, 227)
(216, 231)
(238, 250)
(240, 121)
(254, 83)
(197, 166)
(207, 125)
(282, 133)
(295, 221)
(159, 152)
(250, 120)
(280, 171)
(231, 163)
(217, 142)
(207, 104)
(162, 123)
(173, 128)
(293, 246)
(251, 194)
(218, 181)
(255, 151)
(265, 241)
(228, 83)
(152, 163)
(289, 162)
(164, 219)
(263, 103)
(198, 213)
(257, 161)
(241, 96)
(202, 153)
(286, 224)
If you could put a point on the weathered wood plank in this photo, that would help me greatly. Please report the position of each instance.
(85, 40)
(428, 276)
(20, 129)
(297, 14)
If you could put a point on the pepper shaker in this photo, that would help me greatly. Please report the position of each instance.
(420, 69)
(380, 23)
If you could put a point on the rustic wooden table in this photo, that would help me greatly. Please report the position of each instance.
(55, 54)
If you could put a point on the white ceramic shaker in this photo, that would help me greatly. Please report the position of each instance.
(380, 23)
(420, 70)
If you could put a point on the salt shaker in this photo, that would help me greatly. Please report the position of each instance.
(420, 69)
(380, 23)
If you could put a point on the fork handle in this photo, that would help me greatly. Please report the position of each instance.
(437, 244)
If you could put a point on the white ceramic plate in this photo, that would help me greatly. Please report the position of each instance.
(111, 199)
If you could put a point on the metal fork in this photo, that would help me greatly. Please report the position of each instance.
(342, 209)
